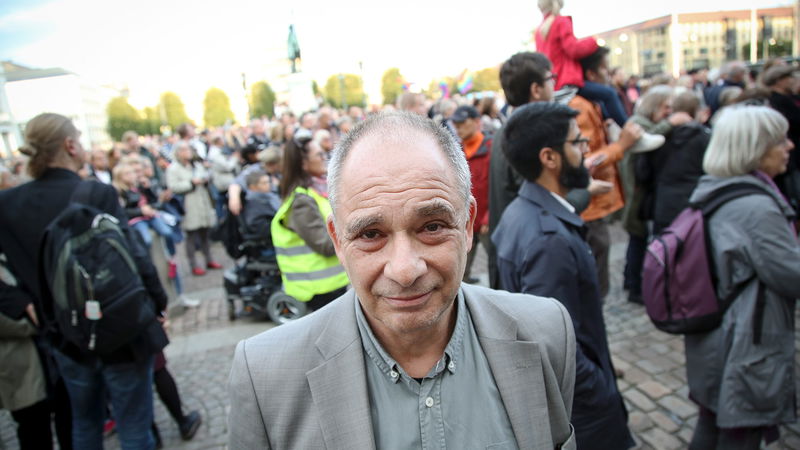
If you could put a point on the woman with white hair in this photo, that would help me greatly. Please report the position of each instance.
(741, 374)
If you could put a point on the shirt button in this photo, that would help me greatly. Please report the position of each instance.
(393, 374)
(429, 402)
(451, 366)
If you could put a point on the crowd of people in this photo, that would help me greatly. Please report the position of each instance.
(569, 146)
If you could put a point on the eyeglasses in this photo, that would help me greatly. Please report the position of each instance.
(578, 141)
(553, 77)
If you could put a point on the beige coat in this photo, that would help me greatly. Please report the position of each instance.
(22, 381)
(197, 200)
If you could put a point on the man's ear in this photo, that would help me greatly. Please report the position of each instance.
(549, 158)
(536, 92)
(331, 225)
(473, 215)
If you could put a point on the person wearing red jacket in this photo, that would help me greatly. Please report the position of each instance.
(477, 149)
(555, 38)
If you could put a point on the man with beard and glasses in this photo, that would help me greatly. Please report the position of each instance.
(541, 250)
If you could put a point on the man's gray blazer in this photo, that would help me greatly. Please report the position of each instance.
(303, 384)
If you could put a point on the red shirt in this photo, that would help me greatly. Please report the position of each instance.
(564, 50)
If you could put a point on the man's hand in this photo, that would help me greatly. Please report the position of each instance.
(597, 187)
(484, 229)
(148, 211)
(32, 314)
(631, 133)
(591, 162)
(198, 181)
(234, 199)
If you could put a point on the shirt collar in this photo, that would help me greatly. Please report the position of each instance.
(453, 352)
(563, 202)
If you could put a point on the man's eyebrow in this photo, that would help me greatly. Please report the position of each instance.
(355, 226)
(437, 208)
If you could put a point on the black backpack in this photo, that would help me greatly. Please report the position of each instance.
(99, 301)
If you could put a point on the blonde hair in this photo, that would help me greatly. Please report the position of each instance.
(740, 138)
(116, 176)
(44, 139)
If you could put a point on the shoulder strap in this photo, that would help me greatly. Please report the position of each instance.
(708, 207)
(726, 194)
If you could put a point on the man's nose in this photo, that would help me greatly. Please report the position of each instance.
(405, 261)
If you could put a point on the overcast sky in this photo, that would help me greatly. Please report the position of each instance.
(188, 46)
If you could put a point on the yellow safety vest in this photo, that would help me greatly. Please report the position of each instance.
(304, 272)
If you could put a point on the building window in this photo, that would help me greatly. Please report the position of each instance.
(704, 51)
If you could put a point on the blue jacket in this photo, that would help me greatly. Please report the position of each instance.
(541, 250)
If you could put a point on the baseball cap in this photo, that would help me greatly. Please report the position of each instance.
(463, 113)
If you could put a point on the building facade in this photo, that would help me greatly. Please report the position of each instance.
(671, 44)
(29, 92)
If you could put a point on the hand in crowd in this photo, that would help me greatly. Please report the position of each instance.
(597, 187)
(198, 181)
(679, 118)
(235, 205)
(32, 314)
(484, 229)
(631, 133)
(165, 195)
(593, 161)
(148, 211)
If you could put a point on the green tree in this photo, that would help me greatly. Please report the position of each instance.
(151, 122)
(486, 80)
(353, 93)
(315, 88)
(173, 109)
(121, 117)
(391, 85)
(262, 100)
(216, 108)
(435, 91)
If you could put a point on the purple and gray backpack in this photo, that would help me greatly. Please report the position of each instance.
(678, 279)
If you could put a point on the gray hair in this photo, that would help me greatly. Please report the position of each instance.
(652, 100)
(741, 137)
(393, 125)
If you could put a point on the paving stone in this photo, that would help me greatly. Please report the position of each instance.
(662, 440)
(686, 434)
(663, 421)
(636, 375)
(639, 421)
(639, 400)
(654, 389)
(679, 406)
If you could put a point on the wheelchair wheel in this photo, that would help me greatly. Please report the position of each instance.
(283, 308)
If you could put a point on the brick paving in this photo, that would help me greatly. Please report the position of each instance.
(654, 383)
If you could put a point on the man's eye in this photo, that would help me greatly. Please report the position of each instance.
(433, 227)
(370, 235)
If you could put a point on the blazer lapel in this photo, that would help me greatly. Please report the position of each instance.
(517, 369)
(339, 385)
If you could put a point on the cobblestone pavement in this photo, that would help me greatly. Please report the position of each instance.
(203, 339)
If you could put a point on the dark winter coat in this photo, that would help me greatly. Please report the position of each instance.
(676, 167)
(541, 250)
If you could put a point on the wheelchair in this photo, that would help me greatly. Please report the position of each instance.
(253, 285)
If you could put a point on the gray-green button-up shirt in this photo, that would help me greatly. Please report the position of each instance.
(457, 405)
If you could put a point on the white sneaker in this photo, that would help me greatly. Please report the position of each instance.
(187, 302)
(648, 142)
